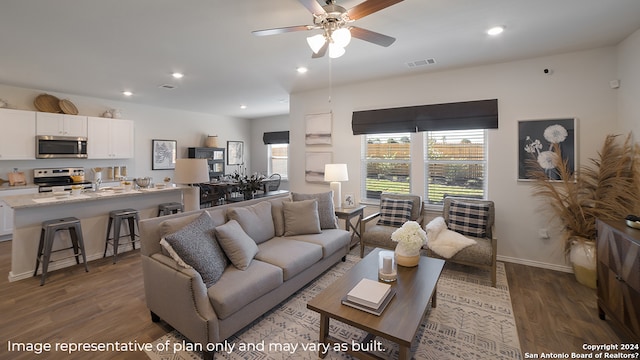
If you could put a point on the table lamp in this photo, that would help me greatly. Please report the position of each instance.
(189, 172)
(334, 173)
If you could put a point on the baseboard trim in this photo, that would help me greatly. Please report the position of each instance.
(538, 264)
(61, 264)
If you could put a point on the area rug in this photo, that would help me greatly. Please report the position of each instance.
(472, 320)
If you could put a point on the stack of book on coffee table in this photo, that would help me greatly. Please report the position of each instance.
(370, 296)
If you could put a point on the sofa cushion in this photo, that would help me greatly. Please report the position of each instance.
(301, 217)
(379, 236)
(278, 215)
(291, 256)
(256, 220)
(394, 212)
(468, 218)
(197, 246)
(480, 253)
(326, 210)
(237, 288)
(238, 246)
(331, 240)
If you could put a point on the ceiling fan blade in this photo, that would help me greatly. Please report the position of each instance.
(283, 30)
(369, 7)
(372, 36)
(321, 52)
(313, 6)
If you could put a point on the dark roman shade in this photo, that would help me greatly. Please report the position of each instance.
(276, 137)
(481, 114)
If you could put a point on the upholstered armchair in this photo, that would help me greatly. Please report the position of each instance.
(474, 219)
(395, 210)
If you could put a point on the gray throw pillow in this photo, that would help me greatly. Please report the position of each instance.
(239, 247)
(326, 210)
(197, 246)
(301, 217)
(256, 220)
(278, 216)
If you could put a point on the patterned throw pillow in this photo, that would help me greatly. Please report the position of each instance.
(196, 244)
(469, 218)
(394, 212)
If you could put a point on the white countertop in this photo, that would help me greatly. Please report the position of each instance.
(47, 199)
(6, 187)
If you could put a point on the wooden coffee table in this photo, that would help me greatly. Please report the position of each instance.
(400, 320)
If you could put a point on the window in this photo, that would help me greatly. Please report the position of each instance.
(386, 163)
(455, 164)
(278, 159)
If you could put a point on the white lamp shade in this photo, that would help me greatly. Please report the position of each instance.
(341, 37)
(316, 42)
(335, 51)
(191, 171)
(336, 172)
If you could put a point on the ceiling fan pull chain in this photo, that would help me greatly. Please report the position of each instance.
(330, 80)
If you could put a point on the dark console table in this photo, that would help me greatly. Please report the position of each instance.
(619, 275)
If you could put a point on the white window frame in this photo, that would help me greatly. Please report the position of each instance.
(270, 160)
(364, 161)
(427, 161)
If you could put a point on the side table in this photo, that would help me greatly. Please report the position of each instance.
(347, 214)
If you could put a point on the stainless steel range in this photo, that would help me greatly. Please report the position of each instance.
(48, 179)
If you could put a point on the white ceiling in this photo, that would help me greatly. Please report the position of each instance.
(100, 48)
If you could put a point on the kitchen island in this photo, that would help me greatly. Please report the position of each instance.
(92, 208)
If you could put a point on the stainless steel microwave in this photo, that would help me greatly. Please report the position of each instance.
(57, 147)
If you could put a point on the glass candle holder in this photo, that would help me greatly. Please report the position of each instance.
(387, 267)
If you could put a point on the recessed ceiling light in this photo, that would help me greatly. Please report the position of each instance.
(497, 30)
(177, 75)
(302, 70)
(127, 93)
(243, 107)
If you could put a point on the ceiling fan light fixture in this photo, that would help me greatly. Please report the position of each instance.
(341, 37)
(316, 42)
(335, 51)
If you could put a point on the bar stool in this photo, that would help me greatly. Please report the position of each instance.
(115, 220)
(170, 208)
(47, 235)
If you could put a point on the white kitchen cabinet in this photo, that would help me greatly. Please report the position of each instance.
(18, 135)
(61, 124)
(6, 213)
(109, 138)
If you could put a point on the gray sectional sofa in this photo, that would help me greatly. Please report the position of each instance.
(288, 256)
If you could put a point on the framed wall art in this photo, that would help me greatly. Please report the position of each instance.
(318, 129)
(349, 201)
(235, 152)
(163, 154)
(535, 142)
(314, 165)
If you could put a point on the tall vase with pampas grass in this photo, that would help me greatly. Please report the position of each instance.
(607, 188)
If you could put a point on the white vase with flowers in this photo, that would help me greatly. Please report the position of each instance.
(410, 238)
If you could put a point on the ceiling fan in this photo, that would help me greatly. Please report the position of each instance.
(335, 22)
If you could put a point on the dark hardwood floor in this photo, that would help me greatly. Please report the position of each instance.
(553, 312)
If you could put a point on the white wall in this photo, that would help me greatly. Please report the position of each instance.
(188, 128)
(259, 151)
(578, 87)
(629, 75)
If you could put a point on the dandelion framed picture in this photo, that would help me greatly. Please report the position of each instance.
(536, 141)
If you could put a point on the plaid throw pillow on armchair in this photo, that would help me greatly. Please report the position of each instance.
(469, 219)
(394, 212)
